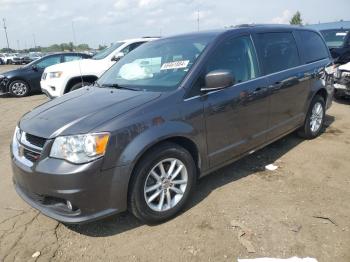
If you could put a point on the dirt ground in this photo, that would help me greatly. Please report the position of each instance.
(241, 211)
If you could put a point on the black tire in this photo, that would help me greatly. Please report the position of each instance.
(137, 196)
(19, 88)
(306, 131)
(79, 85)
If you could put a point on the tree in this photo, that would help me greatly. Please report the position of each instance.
(296, 19)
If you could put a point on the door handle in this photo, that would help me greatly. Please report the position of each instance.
(259, 90)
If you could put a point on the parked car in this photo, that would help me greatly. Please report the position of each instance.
(168, 113)
(63, 78)
(2, 61)
(20, 82)
(342, 81)
(8, 58)
(338, 41)
(18, 59)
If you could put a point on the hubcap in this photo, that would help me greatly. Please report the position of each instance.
(19, 88)
(165, 184)
(316, 117)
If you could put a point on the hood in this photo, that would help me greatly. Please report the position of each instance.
(81, 111)
(13, 72)
(85, 66)
(345, 67)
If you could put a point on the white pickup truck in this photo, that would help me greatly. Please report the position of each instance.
(63, 78)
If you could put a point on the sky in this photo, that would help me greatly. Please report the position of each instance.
(106, 21)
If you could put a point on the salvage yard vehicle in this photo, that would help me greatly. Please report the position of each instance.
(63, 78)
(342, 81)
(168, 113)
(20, 82)
(338, 41)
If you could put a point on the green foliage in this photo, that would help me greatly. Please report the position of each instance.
(296, 19)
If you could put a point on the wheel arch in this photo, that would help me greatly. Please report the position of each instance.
(74, 80)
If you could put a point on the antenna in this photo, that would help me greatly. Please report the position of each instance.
(5, 28)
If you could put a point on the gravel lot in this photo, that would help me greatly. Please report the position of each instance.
(241, 211)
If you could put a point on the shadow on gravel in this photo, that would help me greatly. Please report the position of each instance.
(235, 171)
(343, 101)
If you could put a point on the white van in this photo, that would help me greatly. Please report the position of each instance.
(63, 78)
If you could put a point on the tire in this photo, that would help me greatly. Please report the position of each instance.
(19, 88)
(314, 119)
(79, 85)
(149, 212)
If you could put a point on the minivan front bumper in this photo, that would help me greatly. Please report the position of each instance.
(92, 193)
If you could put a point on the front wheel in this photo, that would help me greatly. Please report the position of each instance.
(314, 119)
(162, 183)
(79, 85)
(19, 88)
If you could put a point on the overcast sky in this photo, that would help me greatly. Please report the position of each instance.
(105, 21)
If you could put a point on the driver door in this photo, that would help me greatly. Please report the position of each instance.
(236, 117)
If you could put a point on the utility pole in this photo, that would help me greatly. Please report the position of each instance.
(34, 41)
(198, 20)
(18, 45)
(7, 39)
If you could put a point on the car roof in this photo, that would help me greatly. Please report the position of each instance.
(141, 39)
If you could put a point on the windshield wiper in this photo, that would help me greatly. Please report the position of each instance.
(117, 86)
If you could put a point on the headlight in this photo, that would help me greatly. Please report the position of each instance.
(55, 74)
(80, 149)
(17, 134)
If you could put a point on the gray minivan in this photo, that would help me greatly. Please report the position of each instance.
(168, 113)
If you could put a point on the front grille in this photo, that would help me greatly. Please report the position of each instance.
(31, 155)
(35, 140)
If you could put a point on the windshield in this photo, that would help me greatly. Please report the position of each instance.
(106, 52)
(334, 38)
(156, 66)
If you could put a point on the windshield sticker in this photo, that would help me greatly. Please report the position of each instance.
(175, 65)
(341, 34)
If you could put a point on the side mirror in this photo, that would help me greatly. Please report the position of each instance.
(35, 67)
(117, 57)
(218, 79)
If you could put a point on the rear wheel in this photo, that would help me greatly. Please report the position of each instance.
(19, 88)
(314, 119)
(162, 183)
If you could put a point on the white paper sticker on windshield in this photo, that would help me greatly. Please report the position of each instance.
(341, 34)
(175, 65)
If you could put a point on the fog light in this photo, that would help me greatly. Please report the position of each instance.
(53, 88)
(69, 205)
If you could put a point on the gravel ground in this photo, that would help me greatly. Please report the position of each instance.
(241, 211)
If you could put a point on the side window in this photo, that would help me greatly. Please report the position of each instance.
(49, 61)
(236, 55)
(68, 58)
(131, 47)
(313, 47)
(278, 51)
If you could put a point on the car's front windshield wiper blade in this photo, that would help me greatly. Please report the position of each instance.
(117, 86)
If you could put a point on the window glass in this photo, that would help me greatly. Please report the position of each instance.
(106, 52)
(313, 46)
(278, 51)
(68, 58)
(335, 38)
(158, 65)
(49, 61)
(236, 55)
(131, 47)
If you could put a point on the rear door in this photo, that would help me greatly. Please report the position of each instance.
(236, 117)
(287, 82)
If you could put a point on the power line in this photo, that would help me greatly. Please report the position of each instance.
(5, 28)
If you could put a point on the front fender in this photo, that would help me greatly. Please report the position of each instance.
(153, 135)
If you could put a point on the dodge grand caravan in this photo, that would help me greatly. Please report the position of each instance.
(168, 113)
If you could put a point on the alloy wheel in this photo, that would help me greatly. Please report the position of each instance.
(316, 117)
(165, 184)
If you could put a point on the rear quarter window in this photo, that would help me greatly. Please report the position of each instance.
(312, 46)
